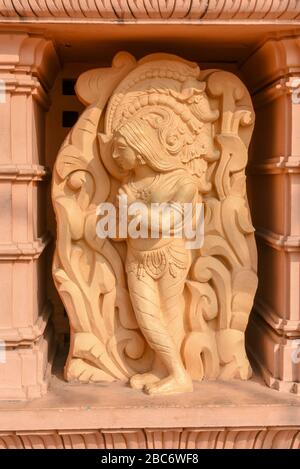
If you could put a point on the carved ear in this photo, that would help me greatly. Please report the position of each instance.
(106, 148)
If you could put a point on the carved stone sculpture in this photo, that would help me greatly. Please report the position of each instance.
(151, 310)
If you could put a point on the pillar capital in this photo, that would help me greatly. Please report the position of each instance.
(24, 54)
(275, 58)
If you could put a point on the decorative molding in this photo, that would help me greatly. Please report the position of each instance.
(285, 10)
(23, 172)
(28, 368)
(266, 95)
(277, 165)
(283, 326)
(24, 251)
(274, 383)
(29, 57)
(273, 355)
(173, 438)
(292, 85)
(26, 84)
(26, 335)
(278, 241)
(276, 58)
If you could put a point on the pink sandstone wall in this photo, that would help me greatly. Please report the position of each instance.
(274, 182)
(29, 66)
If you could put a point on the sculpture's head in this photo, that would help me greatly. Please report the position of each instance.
(124, 155)
(136, 142)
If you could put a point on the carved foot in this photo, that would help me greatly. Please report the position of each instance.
(78, 370)
(138, 381)
(170, 385)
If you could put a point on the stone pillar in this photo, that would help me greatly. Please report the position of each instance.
(272, 73)
(28, 66)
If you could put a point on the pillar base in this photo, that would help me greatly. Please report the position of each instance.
(26, 371)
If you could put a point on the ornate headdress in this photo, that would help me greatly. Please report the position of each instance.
(164, 101)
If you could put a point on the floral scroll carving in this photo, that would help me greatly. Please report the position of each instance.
(153, 312)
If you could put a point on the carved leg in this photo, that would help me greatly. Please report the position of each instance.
(145, 297)
(172, 304)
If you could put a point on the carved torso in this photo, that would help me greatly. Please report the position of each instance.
(163, 187)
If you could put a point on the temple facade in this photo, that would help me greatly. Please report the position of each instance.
(44, 48)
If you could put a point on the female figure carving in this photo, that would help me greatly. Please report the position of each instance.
(156, 267)
(152, 310)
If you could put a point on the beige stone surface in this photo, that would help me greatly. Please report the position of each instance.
(158, 131)
(214, 404)
(232, 414)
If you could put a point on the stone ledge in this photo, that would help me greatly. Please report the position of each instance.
(236, 404)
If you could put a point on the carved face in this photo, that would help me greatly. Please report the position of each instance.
(123, 154)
